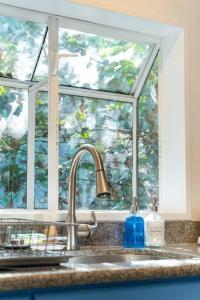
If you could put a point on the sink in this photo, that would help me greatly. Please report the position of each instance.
(113, 261)
(31, 268)
(102, 259)
(37, 263)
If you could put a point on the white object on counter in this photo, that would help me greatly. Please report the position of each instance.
(154, 227)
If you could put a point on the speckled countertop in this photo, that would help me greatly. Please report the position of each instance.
(184, 261)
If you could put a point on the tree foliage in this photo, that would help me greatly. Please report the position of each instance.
(147, 139)
(107, 125)
(19, 47)
(100, 63)
(13, 148)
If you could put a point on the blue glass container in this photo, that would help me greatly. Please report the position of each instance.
(134, 229)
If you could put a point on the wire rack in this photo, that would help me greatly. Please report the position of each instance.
(27, 242)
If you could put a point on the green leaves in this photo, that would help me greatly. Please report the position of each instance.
(13, 150)
(3, 91)
(6, 110)
(108, 125)
(147, 137)
(18, 110)
(103, 63)
(84, 134)
(41, 150)
(20, 42)
(80, 115)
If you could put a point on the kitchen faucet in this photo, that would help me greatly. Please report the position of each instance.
(102, 190)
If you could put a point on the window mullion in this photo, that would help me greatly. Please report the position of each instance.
(53, 99)
(14, 83)
(84, 92)
(134, 126)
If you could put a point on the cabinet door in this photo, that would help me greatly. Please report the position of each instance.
(14, 296)
(186, 290)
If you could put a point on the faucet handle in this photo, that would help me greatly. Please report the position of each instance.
(86, 230)
(92, 227)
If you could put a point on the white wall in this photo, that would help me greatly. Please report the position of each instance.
(173, 179)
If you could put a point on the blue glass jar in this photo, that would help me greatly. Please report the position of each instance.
(134, 229)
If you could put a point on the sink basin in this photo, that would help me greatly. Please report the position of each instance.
(110, 259)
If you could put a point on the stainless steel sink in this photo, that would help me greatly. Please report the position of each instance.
(111, 259)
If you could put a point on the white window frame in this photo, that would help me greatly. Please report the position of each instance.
(52, 86)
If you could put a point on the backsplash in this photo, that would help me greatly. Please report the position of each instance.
(176, 232)
(106, 234)
(110, 233)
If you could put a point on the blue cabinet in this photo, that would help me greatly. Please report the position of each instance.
(177, 289)
(157, 290)
(16, 296)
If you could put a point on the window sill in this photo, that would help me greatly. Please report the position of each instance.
(84, 215)
(44, 215)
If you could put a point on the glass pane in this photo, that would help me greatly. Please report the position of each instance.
(98, 62)
(41, 72)
(19, 47)
(41, 151)
(13, 147)
(107, 125)
(147, 138)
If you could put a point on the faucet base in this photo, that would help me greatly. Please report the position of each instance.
(72, 238)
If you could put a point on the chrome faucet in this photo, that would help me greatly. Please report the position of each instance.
(102, 190)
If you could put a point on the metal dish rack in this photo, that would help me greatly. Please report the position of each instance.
(26, 242)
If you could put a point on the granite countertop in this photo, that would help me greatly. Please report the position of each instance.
(184, 261)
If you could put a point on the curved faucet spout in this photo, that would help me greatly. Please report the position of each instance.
(102, 189)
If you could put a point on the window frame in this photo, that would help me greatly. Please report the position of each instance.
(52, 86)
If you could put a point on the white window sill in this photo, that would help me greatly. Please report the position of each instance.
(44, 215)
(84, 215)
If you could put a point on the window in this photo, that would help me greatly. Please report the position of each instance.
(99, 63)
(13, 147)
(41, 150)
(99, 78)
(107, 125)
(147, 139)
(19, 46)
